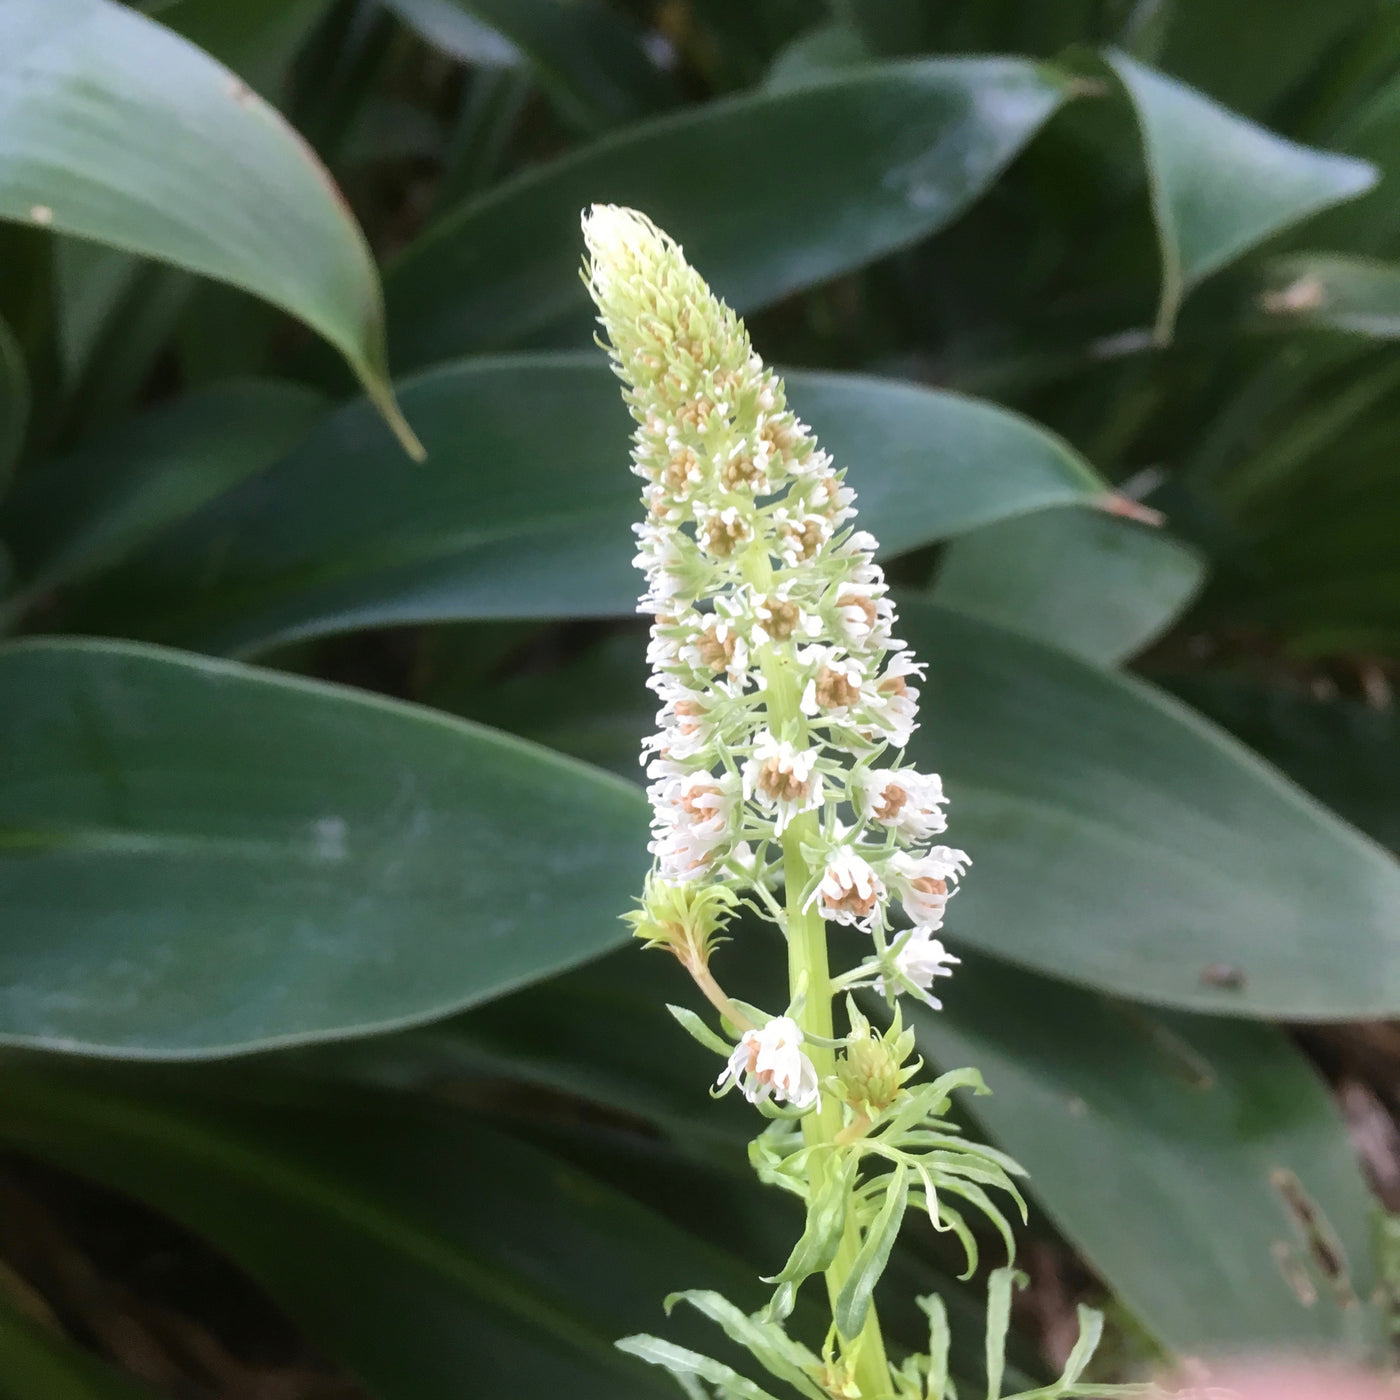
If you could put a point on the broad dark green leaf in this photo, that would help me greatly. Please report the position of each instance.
(769, 192)
(118, 130)
(1180, 1154)
(1249, 54)
(1220, 184)
(197, 857)
(14, 402)
(1344, 752)
(256, 38)
(1091, 583)
(526, 506)
(1121, 841)
(1142, 1132)
(586, 57)
(431, 1256)
(88, 510)
(1118, 839)
(817, 54)
(37, 1365)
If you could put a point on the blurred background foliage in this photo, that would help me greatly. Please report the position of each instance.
(316, 751)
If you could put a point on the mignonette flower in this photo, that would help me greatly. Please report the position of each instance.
(781, 778)
(769, 1062)
(919, 959)
(785, 698)
(850, 891)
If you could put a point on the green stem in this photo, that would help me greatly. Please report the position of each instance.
(808, 967)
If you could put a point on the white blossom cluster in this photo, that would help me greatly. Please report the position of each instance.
(783, 689)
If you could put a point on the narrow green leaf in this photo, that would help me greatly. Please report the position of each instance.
(695, 1027)
(587, 59)
(766, 1342)
(506, 523)
(1165, 1146)
(853, 1302)
(87, 511)
(199, 858)
(431, 1256)
(1085, 1345)
(821, 1238)
(887, 155)
(37, 1365)
(118, 130)
(14, 402)
(1094, 584)
(1000, 1286)
(690, 1366)
(1220, 184)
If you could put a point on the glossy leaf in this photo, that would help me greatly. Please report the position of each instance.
(1140, 1131)
(37, 1365)
(14, 402)
(1344, 752)
(1220, 184)
(1180, 1154)
(526, 507)
(197, 857)
(586, 57)
(1093, 584)
(90, 509)
(1120, 840)
(887, 155)
(431, 1256)
(118, 130)
(1125, 843)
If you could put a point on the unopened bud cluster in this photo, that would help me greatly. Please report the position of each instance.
(783, 689)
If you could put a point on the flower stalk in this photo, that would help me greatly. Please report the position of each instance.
(778, 766)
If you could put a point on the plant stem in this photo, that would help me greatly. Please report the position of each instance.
(808, 967)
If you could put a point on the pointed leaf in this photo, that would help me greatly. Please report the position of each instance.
(1220, 184)
(197, 857)
(433, 1257)
(887, 155)
(1094, 584)
(120, 131)
(1123, 842)
(527, 506)
(587, 59)
(1166, 1147)
(88, 510)
(853, 1302)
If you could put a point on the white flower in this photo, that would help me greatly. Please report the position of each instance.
(850, 891)
(692, 814)
(892, 702)
(922, 882)
(908, 801)
(834, 686)
(782, 778)
(921, 958)
(769, 1062)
